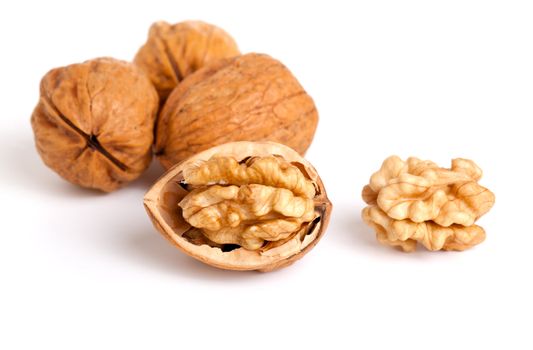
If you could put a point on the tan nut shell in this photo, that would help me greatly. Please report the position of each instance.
(174, 51)
(248, 98)
(161, 203)
(94, 122)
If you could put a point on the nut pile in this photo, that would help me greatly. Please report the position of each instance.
(95, 122)
(251, 206)
(417, 201)
(231, 130)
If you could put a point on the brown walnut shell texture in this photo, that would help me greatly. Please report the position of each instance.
(248, 98)
(94, 122)
(173, 51)
(162, 205)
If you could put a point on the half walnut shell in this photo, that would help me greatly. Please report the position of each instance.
(241, 206)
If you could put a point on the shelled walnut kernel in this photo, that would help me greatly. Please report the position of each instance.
(248, 203)
(417, 201)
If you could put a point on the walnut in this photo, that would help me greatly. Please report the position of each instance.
(248, 98)
(416, 201)
(94, 122)
(252, 209)
(174, 51)
(241, 206)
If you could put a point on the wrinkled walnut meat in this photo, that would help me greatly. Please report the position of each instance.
(241, 206)
(94, 122)
(174, 51)
(262, 200)
(252, 97)
(417, 201)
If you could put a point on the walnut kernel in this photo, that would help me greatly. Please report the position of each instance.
(417, 201)
(251, 210)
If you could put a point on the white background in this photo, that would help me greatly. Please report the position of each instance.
(433, 79)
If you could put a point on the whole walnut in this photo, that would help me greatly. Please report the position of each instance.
(94, 122)
(174, 51)
(252, 97)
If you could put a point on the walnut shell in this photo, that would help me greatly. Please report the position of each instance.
(164, 202)
(94, 122)
(174, 51)
(248, 98)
